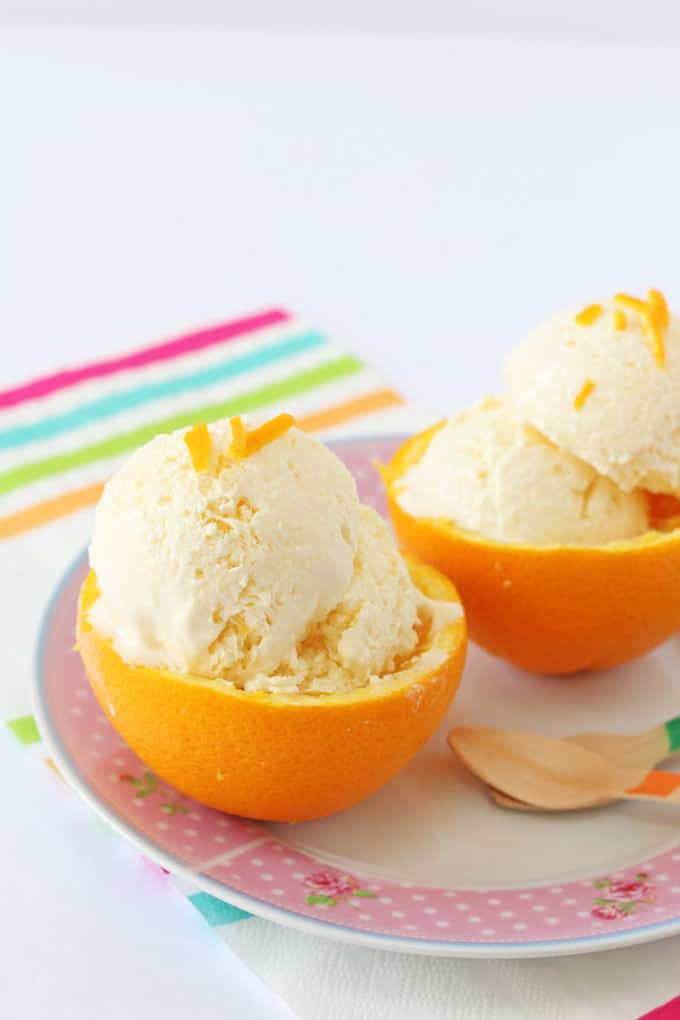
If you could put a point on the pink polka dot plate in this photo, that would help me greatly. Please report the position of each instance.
(428, 864)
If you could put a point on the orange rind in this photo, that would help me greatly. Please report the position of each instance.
(550, 609)
(281, 757)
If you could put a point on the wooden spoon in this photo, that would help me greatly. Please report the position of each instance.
(552, 773)
(635, 750)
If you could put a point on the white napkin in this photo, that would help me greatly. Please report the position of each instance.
(325, 980)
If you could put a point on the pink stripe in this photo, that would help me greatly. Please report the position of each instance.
(46, 384)
(669, 1011)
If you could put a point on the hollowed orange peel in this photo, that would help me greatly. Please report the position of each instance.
(284, 757)
(550, 609)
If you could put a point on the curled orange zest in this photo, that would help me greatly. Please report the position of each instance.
(238, 437)
(658, 306)
(583, 394)
(654, 316)
(246, 443)
(198, 443)
(654, 323)
(653, 331)
(268, 432)
(631, 302)
(620, 320)
(589, 315)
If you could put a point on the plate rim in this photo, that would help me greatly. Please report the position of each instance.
(599, 942)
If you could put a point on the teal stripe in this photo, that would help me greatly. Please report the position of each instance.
(282, 389)
(117, 403)
(673, 733)
(217, 912)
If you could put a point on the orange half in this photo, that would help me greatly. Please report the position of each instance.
(549, 609)
(282, 757)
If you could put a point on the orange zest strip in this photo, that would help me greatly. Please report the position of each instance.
(583, 394)
(631, 302)
(655, 318)
(49, 510)
(199, 445)
(589, 315)
(265, 434)
(654, 331)
(656, 321)
(68, 502)
(620, 320)
(658, 784)
(659, 308)
(238, 437)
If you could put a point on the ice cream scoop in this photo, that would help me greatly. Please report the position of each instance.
(602, 382)
(554, 609)
(225, 567)
(244, 554)
(491, 475)
(374, 625)
(252, 631)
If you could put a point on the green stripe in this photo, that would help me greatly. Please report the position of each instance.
(672, 728)
(252, 401)
(25, 729)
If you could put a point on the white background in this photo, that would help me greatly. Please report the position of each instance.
(425, 180)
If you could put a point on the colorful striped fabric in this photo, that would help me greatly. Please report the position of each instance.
(63, 434)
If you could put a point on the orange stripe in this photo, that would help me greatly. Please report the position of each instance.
(49, 510)
(342, 413)
(658, 784)
(60, 506)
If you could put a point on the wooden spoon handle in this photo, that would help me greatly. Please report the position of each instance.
(657, 786)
